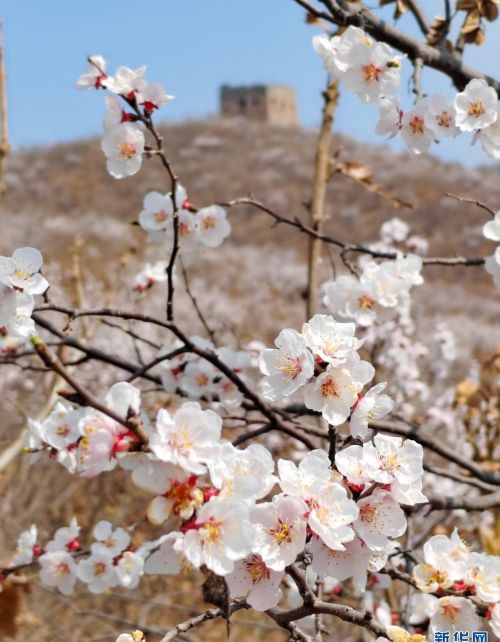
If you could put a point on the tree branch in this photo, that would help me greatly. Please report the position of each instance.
(358, 14)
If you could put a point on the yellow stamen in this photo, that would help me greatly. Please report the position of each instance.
(282, 533)
(476, 109)
(127, 151)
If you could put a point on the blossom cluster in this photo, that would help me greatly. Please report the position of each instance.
(217, 501)
(167, 218)
(380, 285)
(123, 142)
(85, 440)
(206, 227)
(370, 69)
(324, 359)
(20, 281)
(189, 374)
(109, 562)
(449, 563)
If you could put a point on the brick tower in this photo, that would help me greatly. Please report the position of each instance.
(267, 103)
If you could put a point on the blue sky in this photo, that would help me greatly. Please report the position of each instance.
(190, 46)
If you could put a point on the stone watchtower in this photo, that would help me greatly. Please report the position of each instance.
(268, 103)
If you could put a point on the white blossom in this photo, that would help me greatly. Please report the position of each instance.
(351, 463)
(476, 106)
(123, 147)
(151, 274)
(330, 513)
(390, 116)
(253, 580)
(222, 535)
(394, 230)
(26, 543)
(65, 538)
(298, 480)
(334, 392)
(95, 76)
(373, 71)
(152, 96)
(186, 438)
(341, 565)
(22, 271)
(167, 559)
(454, 614)
(279, 530)
(492, 266)
(489, 137)
(440, 116)
(491, 229)
(242, 474)
(331, 341)
(286, 368)
(129, 569)
(348, 298)
(483, 572)
(380, 517)
(390, 459)
(372, 405)
(126, 82)
(414, 130)
(59, 570)
(177, 493)
(336, 51)
(109, 542)
(213, 226)
(98, 572)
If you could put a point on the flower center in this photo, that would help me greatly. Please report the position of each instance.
(21, 274)
(160, 217)
(110, 542)
(290, 367)
(63, 431)
(371, 72)
(202, 379)
(182, 441)
(99, 568)
(62, 568)
(444, 119)
(212, 532)
(390, 462)
(181, 494)
(329, 389)
(184, 229)
(366, 302)
(208, 222)
(257, 569)
(368, 514)
(450, 611)
(127, 151)
(282, 533)
(416, 125)
(329, 347)
(476, 109)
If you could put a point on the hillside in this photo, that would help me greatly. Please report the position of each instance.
(56, 192)
(249, 288)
